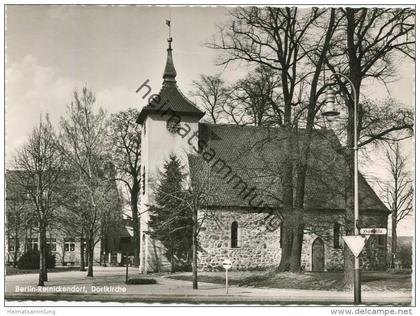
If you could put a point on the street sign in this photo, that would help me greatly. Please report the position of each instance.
(373, 231)
(356, 243)
(227, 264)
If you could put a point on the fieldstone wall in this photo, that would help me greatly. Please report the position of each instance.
(321, 224)
(257, 248)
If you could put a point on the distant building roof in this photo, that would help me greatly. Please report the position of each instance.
(170, 100)
(254, 155)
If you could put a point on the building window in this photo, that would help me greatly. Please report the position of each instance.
(336, 236)
(51, 244)
(234, 235)
(69, 244)
(33, 244)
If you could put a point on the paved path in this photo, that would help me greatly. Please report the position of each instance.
(108, 285)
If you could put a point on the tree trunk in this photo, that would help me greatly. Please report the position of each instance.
(394, 238)
(63, 257)
(15, 254)
(82, 253)
(290, 256)
(90, 246)
(157, 260)
(135, 218)
(42, 262)
(194, 251)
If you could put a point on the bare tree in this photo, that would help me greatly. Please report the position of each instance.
(275, 38)
(367, 45)
(255, 98)
(125, 145)
(212, 94)
(196, 200)
(82, 142)
(40, 166)
(398, 193)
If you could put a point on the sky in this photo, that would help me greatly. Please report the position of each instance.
(51, 50)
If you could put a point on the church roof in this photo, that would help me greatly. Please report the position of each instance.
(254, 155)
(170, 99)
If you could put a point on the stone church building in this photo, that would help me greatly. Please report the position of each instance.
(238, 168)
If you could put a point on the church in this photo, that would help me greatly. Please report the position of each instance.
(239, 167)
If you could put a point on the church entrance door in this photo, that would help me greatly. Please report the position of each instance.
(318, 255)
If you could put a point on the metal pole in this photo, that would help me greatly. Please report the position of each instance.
(357, 280)
(126, 268)
(227, 282)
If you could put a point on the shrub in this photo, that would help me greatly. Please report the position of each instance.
(141, 281)
(30, 260)
(405, 255)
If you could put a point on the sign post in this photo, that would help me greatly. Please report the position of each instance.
(227, 264)
(356, 243)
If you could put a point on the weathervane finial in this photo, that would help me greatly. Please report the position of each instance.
(168, 23)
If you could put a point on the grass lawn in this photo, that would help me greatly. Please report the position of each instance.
(371, 280)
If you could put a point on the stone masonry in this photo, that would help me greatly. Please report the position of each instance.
(259, 248)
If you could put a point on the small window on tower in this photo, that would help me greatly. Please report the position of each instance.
(336, 236)
(144, 181)
(234, 235)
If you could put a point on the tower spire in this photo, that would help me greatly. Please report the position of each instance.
(169, 73)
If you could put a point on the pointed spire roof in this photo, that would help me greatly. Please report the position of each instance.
(169, 73)
(171, 99)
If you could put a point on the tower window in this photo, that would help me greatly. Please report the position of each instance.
(144, 181)
(336, 236)
(234, 235)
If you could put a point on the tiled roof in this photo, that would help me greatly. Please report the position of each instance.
(254, 154)
(170, 98)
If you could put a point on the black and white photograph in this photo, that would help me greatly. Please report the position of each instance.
(210, 155)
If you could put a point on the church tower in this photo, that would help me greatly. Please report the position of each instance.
(170, 126)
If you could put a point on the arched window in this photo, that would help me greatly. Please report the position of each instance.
(337, 243)
(234, 235)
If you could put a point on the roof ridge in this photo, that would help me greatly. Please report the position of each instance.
(260, 127)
